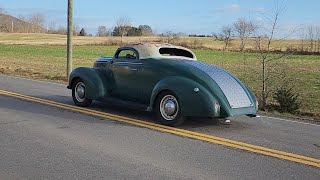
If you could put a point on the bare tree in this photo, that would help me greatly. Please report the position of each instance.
(3, 24)
(123, 24)
(311, 37)
(76, 29)
(169, 37)
(102, 31)
(302, 37)
(225, 36)
(36, 21)
(24, 27)
(270, 62)
(62, 30)
(52, 27)
(244, 29)
(317, 34)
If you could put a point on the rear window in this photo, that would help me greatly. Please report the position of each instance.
(175, 52)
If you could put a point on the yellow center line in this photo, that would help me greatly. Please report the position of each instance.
(181, 132)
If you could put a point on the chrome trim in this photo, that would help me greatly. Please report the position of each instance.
(196, 90)
(217, 108)
(129, 63)
(104, 59)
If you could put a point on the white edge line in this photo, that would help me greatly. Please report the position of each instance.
(280, 119)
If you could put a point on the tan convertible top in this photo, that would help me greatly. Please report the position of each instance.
(155, 50)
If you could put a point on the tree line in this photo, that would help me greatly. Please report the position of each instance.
(310, 39)
(244, 29)
(36, 23)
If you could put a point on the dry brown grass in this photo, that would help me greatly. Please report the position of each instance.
(201, 42)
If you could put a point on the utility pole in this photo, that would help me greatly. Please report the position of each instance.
(69, 38)
(12, 26)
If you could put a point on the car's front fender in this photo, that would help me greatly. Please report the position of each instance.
(192, 103)
(96, 83)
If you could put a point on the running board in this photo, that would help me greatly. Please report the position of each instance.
(124, 103)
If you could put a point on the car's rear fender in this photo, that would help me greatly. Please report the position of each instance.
(96, 83)
(192, 103)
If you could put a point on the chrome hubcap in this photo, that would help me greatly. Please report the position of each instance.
(80, 92)
(169, 107)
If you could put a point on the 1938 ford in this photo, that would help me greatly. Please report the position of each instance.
(163, 78)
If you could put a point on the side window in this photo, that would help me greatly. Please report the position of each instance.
(126, 54)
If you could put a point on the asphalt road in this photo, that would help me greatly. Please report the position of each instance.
(43, 142)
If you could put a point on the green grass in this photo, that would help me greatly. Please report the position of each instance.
(49, 62)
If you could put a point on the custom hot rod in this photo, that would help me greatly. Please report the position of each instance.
(163, 78)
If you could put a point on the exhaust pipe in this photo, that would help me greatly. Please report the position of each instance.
(253, 115)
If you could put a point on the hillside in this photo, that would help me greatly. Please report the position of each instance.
(10, 23)
(6, 22)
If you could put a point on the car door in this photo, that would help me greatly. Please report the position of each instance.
(125, 67)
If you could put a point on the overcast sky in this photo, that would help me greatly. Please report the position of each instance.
(187, 16)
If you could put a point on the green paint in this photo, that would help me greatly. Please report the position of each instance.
(141, 81)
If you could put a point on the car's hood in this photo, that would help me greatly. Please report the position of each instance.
(231, 87)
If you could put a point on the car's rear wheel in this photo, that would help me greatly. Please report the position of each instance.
(79, 93)
(168, 110)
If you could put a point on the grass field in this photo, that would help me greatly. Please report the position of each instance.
(205, 42)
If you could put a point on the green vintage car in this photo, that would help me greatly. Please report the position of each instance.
(163, 78)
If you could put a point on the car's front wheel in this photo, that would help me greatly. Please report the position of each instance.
(79, 94)
(168, 110)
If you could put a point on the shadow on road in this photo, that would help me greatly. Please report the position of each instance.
(194, 123)
(191, 122)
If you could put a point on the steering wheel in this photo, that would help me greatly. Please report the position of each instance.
(129, 56)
